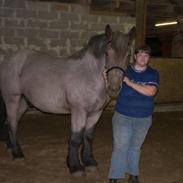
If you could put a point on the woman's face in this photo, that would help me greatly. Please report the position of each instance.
(142, 59)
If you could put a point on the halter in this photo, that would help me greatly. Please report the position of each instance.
(116, 67)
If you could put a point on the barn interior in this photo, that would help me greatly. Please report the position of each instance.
(59, 28)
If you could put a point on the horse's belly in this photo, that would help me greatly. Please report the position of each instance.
(47, 107)
(51, 102)
(52, 109)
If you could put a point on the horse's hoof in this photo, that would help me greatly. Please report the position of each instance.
(18, 155)
(90, 168)
(4, 133)
(78, 174)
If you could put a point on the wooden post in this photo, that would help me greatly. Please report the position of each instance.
(84, 2)
(141, 14)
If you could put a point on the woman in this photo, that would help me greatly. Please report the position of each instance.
(133, 116)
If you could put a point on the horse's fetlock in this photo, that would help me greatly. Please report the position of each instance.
(89, 161)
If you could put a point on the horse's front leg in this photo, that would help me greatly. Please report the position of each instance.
(87, 156)
(78, 121)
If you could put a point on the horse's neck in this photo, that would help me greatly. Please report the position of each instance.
(94, 64)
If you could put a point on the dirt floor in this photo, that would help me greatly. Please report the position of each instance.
(44, 142)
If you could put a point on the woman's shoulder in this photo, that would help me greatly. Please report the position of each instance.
(152, 70)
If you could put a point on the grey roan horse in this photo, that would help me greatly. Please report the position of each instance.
(74, 85)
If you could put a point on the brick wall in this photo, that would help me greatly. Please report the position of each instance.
(57, 28)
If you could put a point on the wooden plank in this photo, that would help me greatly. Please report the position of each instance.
(84, 2)
(141, 14)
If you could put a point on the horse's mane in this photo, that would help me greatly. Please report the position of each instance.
(78, 54)
(96, 45)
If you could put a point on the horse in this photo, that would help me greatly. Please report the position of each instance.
(73, 85)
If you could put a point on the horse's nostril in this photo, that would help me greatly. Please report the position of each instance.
(114, 89)
(113, 92)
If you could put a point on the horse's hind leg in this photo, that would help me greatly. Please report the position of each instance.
(22, 107)
(16, 106)
(78, 122)
(87, 157)
(3, 125)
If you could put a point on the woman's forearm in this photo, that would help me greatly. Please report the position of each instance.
(147, 90)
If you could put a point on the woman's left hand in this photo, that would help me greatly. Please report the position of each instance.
(104, 74)
(126, 80)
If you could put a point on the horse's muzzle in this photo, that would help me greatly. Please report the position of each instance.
(113, 93)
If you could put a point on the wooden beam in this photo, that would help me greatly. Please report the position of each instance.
(84, 2)
(141, 14)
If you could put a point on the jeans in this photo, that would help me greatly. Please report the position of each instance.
(128, 136)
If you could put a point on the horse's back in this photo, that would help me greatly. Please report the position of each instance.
(15, 61)
(27, 61)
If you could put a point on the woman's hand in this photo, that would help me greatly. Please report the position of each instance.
(126, 80)
(104, 74)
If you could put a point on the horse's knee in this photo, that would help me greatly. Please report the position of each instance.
(75, 139)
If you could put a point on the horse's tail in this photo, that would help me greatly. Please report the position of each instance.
(3, 116)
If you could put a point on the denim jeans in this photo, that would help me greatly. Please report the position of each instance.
(128, 136)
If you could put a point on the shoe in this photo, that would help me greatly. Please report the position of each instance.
(113, 180)
(133, 179)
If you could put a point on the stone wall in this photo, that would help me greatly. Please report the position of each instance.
(57, 28)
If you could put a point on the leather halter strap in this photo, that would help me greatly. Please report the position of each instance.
(116, 67)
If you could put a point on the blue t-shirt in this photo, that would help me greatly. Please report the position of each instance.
(132, 103)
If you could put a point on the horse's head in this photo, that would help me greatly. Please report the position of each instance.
(117, 57)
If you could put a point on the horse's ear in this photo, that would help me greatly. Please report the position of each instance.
(132, 34)
(108, 31)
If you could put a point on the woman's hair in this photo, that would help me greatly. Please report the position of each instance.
(144, 48)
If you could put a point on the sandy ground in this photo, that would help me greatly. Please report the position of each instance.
(44, 141)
